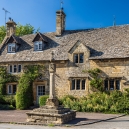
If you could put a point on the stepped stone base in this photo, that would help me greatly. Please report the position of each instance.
(51, 115)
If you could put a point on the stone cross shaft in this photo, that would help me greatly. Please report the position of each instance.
(52, 70)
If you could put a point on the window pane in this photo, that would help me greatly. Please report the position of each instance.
(106, 84)
(10, 68)
(36, 47)
(76, 58)
(9, 89)
(117, 84)
(15, 68)
(9, 48)
(78, 84)
(13, 49)
(40, 46)
(81, 58)
(19, 68)
(83, 84)
(112, 84)
(14, 89)
(73, 84)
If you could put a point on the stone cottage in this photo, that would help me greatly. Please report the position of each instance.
(73, 52)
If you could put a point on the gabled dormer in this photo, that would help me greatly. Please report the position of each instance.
(39, 41)
(13, 44)
(79, 53)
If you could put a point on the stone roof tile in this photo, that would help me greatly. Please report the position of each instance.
(103, 43)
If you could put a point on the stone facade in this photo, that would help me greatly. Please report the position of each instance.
(103, 48)
(114, 68)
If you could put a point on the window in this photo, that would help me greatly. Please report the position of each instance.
(112, 84)
(83, 84)
(11, 47)
(9, 89)
(78, 84)
(38, 46)
(19, 68)
(117, 84)
(106, 84)
(15, 68)
(10, 68)
(79, 58)
(12, 89)
(73, 84)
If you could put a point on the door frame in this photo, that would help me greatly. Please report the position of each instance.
(37, 96)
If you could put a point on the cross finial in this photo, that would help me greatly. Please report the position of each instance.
(61, 4)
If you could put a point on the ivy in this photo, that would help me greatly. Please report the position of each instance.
(5, 78)
(24, 95)
(96, 80)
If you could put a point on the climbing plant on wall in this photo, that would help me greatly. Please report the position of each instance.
(96, 81)
(24, 95)
(5, 77)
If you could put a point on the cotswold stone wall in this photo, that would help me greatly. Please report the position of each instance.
(113, 68)
(69, 70)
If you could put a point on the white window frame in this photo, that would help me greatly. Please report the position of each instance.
(8, 89)
(17, 68)
(37, 46)
(11, 86)
(10, 47)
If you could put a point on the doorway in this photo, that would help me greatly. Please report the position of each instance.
(40, 92)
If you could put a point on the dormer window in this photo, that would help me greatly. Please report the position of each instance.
(11, 47)
(38, 46)
(79, 58)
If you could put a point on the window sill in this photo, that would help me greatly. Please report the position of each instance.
(15, 73)
(78, 90)
(38, 51)
(79, 63)
(11, 53)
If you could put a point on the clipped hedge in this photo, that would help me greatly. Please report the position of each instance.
(43, 99)
(24, 95)
(8, 100)
(6, 107)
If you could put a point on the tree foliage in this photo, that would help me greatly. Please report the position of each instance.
(20, 30)
(2, 33)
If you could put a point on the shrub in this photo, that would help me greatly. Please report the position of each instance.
(63, 99)
(43, 99)
(6, 107)
(111, 102)
(8, 99)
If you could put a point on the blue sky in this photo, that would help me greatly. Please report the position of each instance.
(81, 14)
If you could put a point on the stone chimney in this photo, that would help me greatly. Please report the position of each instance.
(60, 22)
(11, 27)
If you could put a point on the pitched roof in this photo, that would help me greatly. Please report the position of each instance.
(103, 43)
(15, 38)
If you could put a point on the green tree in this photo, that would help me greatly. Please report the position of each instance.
(2, 33)
(20, 30)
